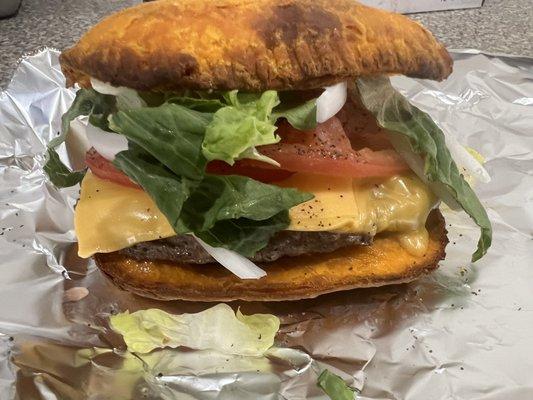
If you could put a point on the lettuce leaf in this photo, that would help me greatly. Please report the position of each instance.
(217, 328)
(234, 212)
(171, 133)
(244, 235)
(242, 125)
(421, 142)
(59, 174)
(86, 102)
(248, 121)
(302, 117)
(334, 386)
(222, 197)
(168, 190)
(126, 98)
(166, 158)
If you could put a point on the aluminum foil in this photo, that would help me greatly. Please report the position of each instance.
(463, 332)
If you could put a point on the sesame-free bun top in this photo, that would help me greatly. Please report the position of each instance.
(252, 45)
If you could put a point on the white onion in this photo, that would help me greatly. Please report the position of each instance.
(331, 101)
(108, 144)
(237, 264)
(126, 98)
(462, 157)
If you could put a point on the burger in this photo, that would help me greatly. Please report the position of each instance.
(257, 150)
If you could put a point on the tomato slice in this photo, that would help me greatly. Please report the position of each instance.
(362, 128)
(104, 169)
(350, 144)
(327, 150)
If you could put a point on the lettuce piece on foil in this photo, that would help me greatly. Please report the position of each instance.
(422, 144)
(334, 386)
(217, 328)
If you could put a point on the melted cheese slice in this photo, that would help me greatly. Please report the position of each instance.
(110, 217)
(368, 206)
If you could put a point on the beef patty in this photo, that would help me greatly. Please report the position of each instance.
(185, 248)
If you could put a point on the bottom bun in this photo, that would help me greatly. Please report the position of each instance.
(384, 262)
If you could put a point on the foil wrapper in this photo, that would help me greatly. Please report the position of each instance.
(463, 332)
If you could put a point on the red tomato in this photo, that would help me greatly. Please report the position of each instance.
(362, 129)
(326, 150)
(103, 168)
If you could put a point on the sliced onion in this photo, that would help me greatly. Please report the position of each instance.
(126, 98)
(237, 264)
(108, 144)
(331, 101)
(466, 160)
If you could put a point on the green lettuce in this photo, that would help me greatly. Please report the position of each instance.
(166, 157)
(86, 102)
(421, 142)
(234, 212)
(217, 328)
(240, 126)
(243, 235)
(334, 386)
(247, 121)
(59, 174)
(171, 133)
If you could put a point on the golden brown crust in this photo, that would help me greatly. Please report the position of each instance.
(252, 45)
(385, 262)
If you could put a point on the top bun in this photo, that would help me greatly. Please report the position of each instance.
(252, 45)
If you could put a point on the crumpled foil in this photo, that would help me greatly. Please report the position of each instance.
(463, 332)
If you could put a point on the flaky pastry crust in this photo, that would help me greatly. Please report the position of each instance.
(252, 45)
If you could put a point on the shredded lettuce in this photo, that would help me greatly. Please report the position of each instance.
(334, 386)
(421, 142)
(217, 328)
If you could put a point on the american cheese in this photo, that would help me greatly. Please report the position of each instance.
(370, 206)
(110, 217)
